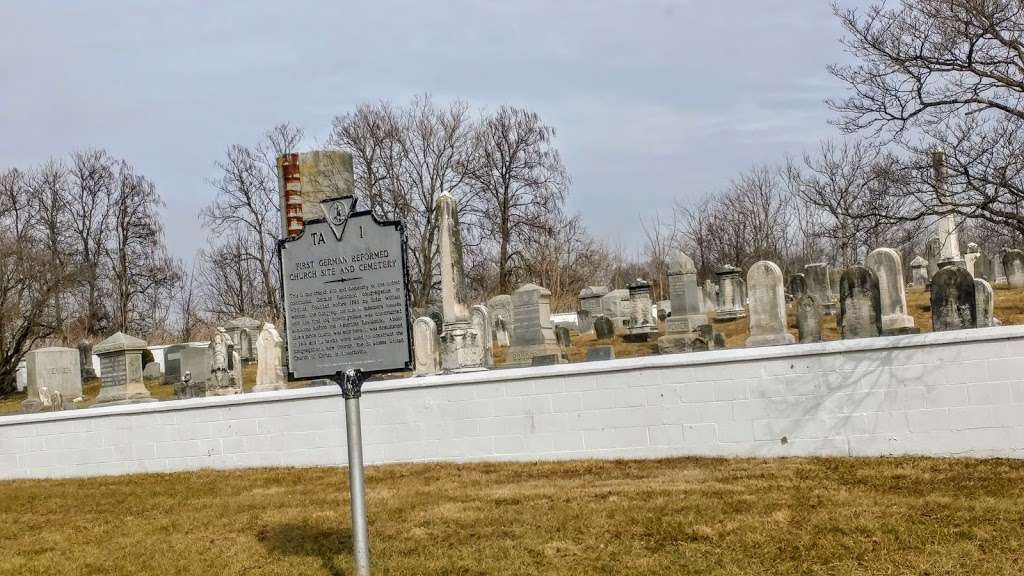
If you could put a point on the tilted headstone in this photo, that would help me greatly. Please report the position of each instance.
(984, 304)
(589, 307)
(501, 315)
(797, 286)
(121, 370)
(767, 306)
(641, 319)
(860, 307)
(599, 353)
(688, 315)
(919, 271)
(269, 360)
(731, 295)
(971, 258)
(426, 346)
(85, 359)
(932, 253)
(808, 319)
(604, 328)
(819, 285)
(152, 371)
(562, 337)
(1013, 267)
(480, 323)
(533, 333)
(888, 269)
(56, 370)
(953, 300)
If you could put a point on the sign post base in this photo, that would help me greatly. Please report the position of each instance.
(351, 383)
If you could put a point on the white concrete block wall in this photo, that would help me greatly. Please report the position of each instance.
(943, 394)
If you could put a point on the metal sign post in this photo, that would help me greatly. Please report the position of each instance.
(346, 301)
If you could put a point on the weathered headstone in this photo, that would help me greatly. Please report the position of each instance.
(932, 253)
(269, 360)
(984, 304)
(244, 331)
(545, 360)
(971, 258)
(860, 307)
(589, 307)
(1013, 267)
(172, 363)
(616, 305)
(808, 319)
(731, 296)
(983, 266)
(797, 286)
(604, 328)
(641, 319)
(562, 337)
(426, 346)
(480, 323)
(998, 272)
(767, 306)
(85, 359)
(599, 353)
(533, 333)
(21, 376)
(681, 327)
(819, 285)
(919, 271)
(710, 296)
(719, 341)
(152, 371)
(194, 363)
(121, 370)
(501, 315)
(223, 380)
(953, 300)
(54, 369)
(888, 269)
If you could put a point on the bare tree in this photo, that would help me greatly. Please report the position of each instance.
(521, 183)
(662, 239)
(188, 304)
(230, 280)
(88, 203)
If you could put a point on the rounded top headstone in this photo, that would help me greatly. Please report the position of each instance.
(681, 264)
(119, 342)
(533, 288)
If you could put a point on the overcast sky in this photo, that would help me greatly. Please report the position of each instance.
(653, 100)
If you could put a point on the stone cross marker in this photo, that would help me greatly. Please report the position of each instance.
(819, 285)
(767, 306)
(808, 319)
(269, 360)
(984, 304)
(121, 370)
(888, 268)
(860, 308)
(954, 306)
(1013, 267)
(534, 333)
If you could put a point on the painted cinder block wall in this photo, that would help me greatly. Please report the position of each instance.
(940, 394)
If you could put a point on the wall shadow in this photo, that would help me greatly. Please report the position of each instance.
(331, 545)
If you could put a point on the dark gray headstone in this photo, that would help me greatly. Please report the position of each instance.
(544, 360)
(953, 300)
(562, 336)
(706, 331)
(860, 303)
(438, 319)
(598, 353)
(797, 286)
(604, 328)
(85, 360)
(808, 319)
(720, 341)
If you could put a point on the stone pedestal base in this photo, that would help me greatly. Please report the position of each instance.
(462, 348)
(522, 355)
(642, 334)
(32, 406)
(117, 395)
(770, 340)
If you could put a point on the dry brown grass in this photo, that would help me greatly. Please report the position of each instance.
(683, 516)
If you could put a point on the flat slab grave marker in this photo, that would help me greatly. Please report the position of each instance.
(346, 303)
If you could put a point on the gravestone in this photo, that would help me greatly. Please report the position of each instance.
(604, 328)
(195, 364)
(719, 341)
(819, 285)
(223, 380)
(932, 253)
(599, 353)
(984, 303)
(269, 360)
(589, 307)
(545, 360)
(731, 297)
(919, 271)
(21, 376)
(710, 296)
(767, 306)
(49, 372)
(971, 258)
(860, 307)
(616, 305)
(562, 337)
(152, 371)
(438, 319)
(808, 319)
(462, 343)
(480, 323)
(244, 331)
(85, 359)
(501, 314)
(121, 370)
(1013, 267)
(945, 224)
(681, 327)
(983, 266)
(533, 333)
(426, 346)
(797, 286)
(641, 319)
(998, 272)
(888, 269)
(953, 300)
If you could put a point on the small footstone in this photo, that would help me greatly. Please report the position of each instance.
(545, 360)
(599, 353)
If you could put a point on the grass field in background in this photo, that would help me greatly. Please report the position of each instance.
(681, 516)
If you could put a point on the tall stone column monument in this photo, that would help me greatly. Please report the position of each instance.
(945, 226)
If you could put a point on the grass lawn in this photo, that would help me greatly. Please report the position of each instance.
(681, 516)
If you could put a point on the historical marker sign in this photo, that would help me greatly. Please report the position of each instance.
(345, 295)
